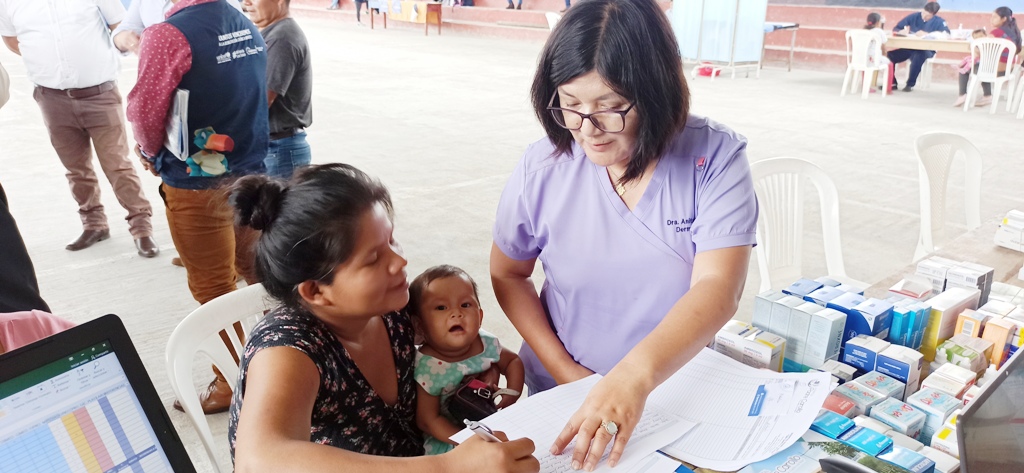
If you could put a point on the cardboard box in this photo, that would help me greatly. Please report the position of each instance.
(1011, 231)
(918, 324)
(941, 383)
(945, 308)
(750, 345)
(1005, 335)
(958, 374)
(936, 406)
(934, 269)
(997, 307)
(971, 275)
(851, 289)
(972, 392)
(845, 303)
(944, 440)
(944, 463)
(763, 309)
(840, 370)
(830, 424)
(824, 337)
(799, 324)
(826, 281)
(908, 460)
(902, 364)
(863, 398)
(781, 310)
(866, 440)
(971, 323)
(882, 384)
(871, 423)
(840, 404)
(871, 317)
(899, 416)
(904, 441)
(860, 352)
(823, 295)
(802, 287)
(913, 287)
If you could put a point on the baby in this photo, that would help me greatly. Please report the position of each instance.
(445, 309)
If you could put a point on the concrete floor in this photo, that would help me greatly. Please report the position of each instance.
(442, 120)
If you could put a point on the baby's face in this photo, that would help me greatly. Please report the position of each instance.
(450, 313)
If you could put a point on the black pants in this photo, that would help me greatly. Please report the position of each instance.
(18, 288)
(986, 87)
(917, 59)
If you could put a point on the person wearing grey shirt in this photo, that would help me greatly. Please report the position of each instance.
(289, 85)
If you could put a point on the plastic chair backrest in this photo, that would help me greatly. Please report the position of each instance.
(986, 52)
(935, 153)
(552, 18)
(200, 332)
(863, 51)
(779, 184)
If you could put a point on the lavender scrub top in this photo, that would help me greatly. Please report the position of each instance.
(611, 275)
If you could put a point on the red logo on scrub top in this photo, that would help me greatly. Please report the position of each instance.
(700, 162)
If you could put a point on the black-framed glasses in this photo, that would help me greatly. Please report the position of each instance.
(610, 121)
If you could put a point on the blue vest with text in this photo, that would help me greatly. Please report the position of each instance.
(227, 98)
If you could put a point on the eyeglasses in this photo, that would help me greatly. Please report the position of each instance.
(611, 121)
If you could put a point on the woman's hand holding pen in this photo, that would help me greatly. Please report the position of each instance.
(477, 454)
(618, 398)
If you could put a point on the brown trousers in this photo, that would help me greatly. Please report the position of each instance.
(72, 123)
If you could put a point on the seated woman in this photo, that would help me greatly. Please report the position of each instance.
(1004, 26)
(326, 380)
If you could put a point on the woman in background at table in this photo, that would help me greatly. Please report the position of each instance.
(1004, 26)
(642, 215)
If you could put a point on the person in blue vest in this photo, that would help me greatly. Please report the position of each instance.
(921, 23)
(214, 52)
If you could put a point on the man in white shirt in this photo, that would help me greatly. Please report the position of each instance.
(69, 57)
(141, 15)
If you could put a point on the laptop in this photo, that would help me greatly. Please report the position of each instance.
(81, 400)
(990, 431)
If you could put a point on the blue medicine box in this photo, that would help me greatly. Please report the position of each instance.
(830, 424)
(866, 440)
(802, 287)
(823, 295)
(908, 459)
(845, 303)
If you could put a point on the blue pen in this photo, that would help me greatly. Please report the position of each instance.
(481, 430)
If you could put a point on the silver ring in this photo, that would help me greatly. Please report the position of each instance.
(611, 427)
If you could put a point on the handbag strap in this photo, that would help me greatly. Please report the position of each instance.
(506, 392)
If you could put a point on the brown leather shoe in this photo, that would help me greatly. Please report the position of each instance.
(147, 247)
(87, 239)
(216, 398)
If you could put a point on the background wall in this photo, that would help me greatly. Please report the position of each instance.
(951, 5)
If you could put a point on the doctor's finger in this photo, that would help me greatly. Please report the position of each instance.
(588, 430)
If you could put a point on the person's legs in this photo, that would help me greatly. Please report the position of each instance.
(897, 56)
(335, 4)
(286, 155)
(71, 143)
(103, 118)
(917, 60)
(19, 290)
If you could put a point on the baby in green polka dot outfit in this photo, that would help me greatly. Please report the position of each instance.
(445, 309)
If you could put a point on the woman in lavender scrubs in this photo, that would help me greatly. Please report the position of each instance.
(642, 215)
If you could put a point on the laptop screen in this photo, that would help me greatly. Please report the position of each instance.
(78, 413)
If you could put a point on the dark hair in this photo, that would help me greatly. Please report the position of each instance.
(309, 224)
(432, 274)
(932, 7)
(632, 47)
(1011, 24)
(873, 21)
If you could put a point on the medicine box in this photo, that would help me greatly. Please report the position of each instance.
(936, 406)
(882, 384)
(972, 392)
(826, 281)
(944, 463)
(945, 308)
(914, 287)
(944, 384)
(830, 424)
(779, 324)
(873, 424)
(1003, 334)
(971, 275)
(823, 295)
(871, 317)
(899, 328)
(824, 337)
(840, 370)
(1001, 308)
(918, 325)
(908, 460)
(899, 416)
(904, 441)
(840, 405)
(984, 347)
(866, 440)
(860, 352)
(934, 269)
(971, 323)
(944, 440)
(851, 289)
(799, 324)
(763, 309)
(956, 373)
(863, 398)
(845, 303)
(802, 287)
(750, 345)
(902, 364)
(952, 420)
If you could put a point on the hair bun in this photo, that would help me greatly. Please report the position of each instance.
(257, 200)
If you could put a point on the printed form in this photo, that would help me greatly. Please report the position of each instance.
(541, 417)
(714, 413)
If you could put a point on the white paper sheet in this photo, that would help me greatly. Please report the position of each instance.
(743, 414)
(176, 139)
(542, 417)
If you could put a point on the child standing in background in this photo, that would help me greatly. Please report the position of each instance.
(445, 309)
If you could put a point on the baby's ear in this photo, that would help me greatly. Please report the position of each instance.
(417, 330)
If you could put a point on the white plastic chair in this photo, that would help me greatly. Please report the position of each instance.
(1013, 77)
(1020, 101)
(780, 184)
(935, 154)
(863, 55)
(986, 53)
(552, 18)
(200, 332)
